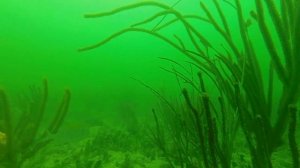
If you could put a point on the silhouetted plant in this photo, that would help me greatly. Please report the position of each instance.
(23, 133)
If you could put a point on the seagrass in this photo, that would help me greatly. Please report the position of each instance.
(238, 75)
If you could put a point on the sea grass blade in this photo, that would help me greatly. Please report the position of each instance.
(223, 17)
(296, 39)
(212, 19)
(143, 31)
(281, 32)
(286, 19)
(270, 89)
(164, 17)
(199, 127)
(127, 7)
(182, 45)
(195, 17)
(225, 35)
(210, 76)
(183, 77)
(194, 42)
(254, 75)
(61, 113)
(157, 15)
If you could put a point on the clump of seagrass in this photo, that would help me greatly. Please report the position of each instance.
(194, 132)
(23, 133)
(235, 69)
(215, 140)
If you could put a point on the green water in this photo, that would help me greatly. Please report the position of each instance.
(114, 87)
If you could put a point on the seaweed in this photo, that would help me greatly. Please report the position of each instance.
(238, 75)
(23, 134)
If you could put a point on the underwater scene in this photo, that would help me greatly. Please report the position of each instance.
(149, 83)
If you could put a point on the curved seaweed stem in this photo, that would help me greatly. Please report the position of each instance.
(139, 30)
(127, 7)
(61, 113)
(155, 4)
(281, 32)
(270, 45)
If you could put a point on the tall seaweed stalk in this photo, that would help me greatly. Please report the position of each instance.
(237, 74)
(23, 134)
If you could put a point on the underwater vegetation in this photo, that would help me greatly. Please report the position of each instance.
(244, 91)
(103, 146)
(108, 143)
(21, 136)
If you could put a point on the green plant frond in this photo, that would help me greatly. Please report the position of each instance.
(61, 113)
(194, 17)
(281, 32)
(180, 42)
(128, 7)
(183, 77)
(209, 75)
(163, 13)
(223, 17)
(176, 63)
(270, 44)
(143, 31)
(224, 33)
